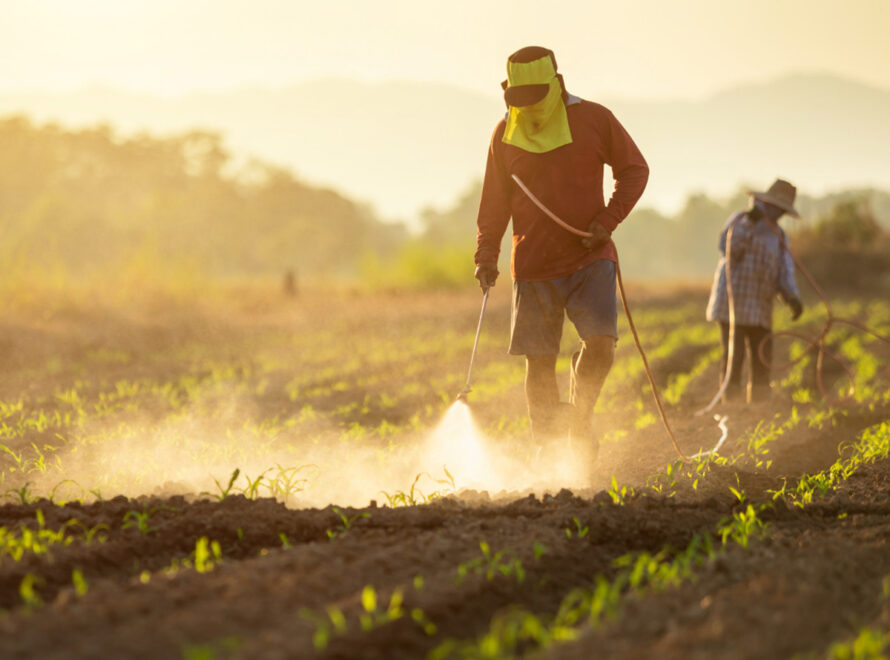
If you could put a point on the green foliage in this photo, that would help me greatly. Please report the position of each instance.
(207, 555)
(345, 523)
(225, 492)
(420, 264)
(846, 248)
(24, 541)
(139, 520)
(74, 201)
(334, 622)
(849, 224)
(492, 564)
(872, 445)
(579, 531)
(619, 494)
(415, 495)
(520, 630)
(869, 644)
(28, 591)
(81, 586)
(743, 526)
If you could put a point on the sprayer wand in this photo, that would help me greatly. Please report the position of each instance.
(462, 395)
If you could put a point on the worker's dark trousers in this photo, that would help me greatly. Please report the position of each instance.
(750, 337)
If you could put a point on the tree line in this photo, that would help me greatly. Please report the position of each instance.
(82, 199)
(88, 199)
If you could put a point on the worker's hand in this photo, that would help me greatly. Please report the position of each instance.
(487, 274)
(796, 308)
(600, 237)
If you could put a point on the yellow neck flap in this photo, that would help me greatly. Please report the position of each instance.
(543, 126)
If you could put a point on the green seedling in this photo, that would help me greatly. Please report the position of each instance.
(413, 497)
(98, 532)
(139, 520)
(491, 564)
(52, 493)
(742, 526)
(207, 555)
(224, 492)
(40, 541)
(251, 490)
(326, 626)
(288, 481)
(519, 630)
(81, 586)
(619, 495)
(579, 531)
(869, 644)
(372, 617)
(24, 493)
(739, 494)
(345, 523)
(28, 592)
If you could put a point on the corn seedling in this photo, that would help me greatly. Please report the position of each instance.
(326, 626)
(579, 531)
(139, 520)
(27, 541)
(742, 526)
(869, 644)
(619, 494)
(345, 523)
(60, 502)
(24, 493)
(225, 492)
(372, 617)
(81, 586)
(28, 591)
(491, 564)
(207, 555)
(519, 629)
(251, 490)
(288, 482)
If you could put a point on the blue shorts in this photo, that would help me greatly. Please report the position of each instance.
(587, 296)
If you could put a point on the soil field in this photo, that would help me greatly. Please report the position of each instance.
(248, 476)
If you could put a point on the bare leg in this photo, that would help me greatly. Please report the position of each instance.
(542, 395)
(590, 371)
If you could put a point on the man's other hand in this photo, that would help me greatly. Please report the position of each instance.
(600, 236)
(487, 274)
(796, 308)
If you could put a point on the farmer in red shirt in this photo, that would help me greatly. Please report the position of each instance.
(557, 145)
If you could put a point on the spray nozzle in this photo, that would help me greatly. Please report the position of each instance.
(462, 395)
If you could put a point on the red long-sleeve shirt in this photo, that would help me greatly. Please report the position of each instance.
(568, 181)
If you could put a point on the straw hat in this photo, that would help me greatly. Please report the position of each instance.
(780, 194)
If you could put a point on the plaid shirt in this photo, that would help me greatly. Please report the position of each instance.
(761, 268)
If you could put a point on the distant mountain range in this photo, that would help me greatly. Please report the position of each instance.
(402, 146)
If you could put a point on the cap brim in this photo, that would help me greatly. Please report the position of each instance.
(775, 201)
(522, 95)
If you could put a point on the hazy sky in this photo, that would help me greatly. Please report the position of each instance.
(644, 48)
